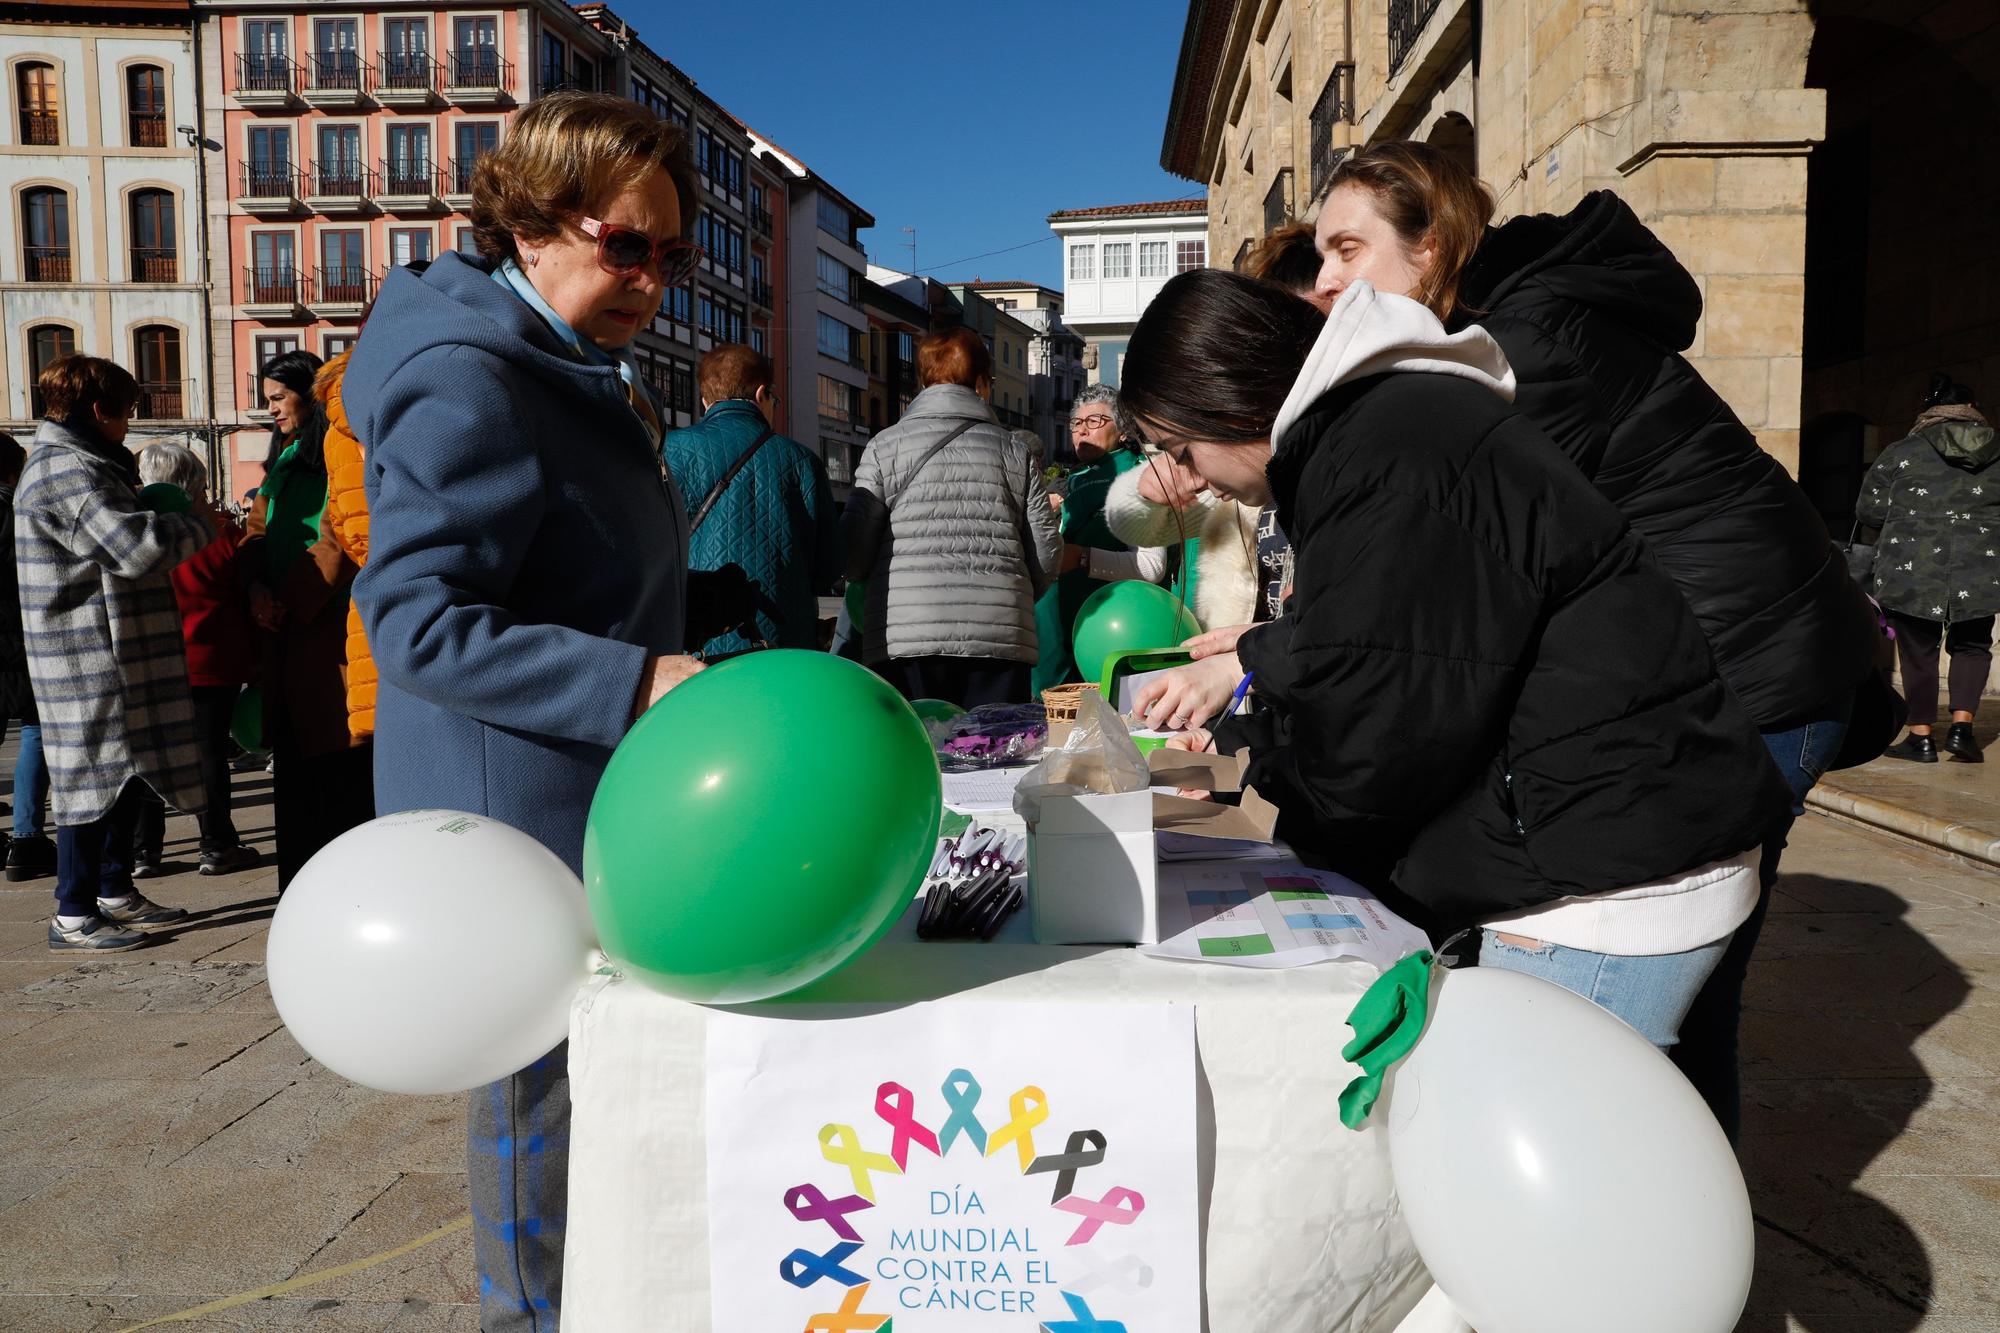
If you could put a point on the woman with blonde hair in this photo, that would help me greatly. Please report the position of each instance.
(526, 589)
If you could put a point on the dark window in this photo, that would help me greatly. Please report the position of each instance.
(45, 224)
(146, 105)
(156, 355)
(46, 345)
(155, 245)
(41, 122)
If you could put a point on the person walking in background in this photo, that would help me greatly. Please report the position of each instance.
(526, 590)
(761, 502)
(950, 525)
(104, 648)
(212, 591)
(30, 854)
(1093, 555)
(1935, 503)
(323, 783)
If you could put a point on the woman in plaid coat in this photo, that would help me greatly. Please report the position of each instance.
(104, 648)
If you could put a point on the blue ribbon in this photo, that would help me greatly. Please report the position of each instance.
(961, 1094)
(802, 1268)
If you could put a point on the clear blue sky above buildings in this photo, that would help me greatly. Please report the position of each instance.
(970, 121)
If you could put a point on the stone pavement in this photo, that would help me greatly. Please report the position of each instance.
(164, 1145)
(1948, 805)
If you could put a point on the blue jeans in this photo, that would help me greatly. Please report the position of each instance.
(1708, 1051)
(94, 860)
(31, 783)
(1651, 993)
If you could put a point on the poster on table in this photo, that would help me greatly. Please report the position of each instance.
(954, 1169)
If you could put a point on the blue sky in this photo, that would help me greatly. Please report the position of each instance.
(969, 121)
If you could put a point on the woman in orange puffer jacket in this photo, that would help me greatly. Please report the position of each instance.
(345, 524)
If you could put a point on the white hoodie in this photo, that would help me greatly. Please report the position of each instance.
(1371, 333)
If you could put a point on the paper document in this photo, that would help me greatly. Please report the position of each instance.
(1187, 847)
(1274, 914)
(982, 790)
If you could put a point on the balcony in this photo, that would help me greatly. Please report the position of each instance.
(409, 185)
(253, 395)
(265, 82)
(406, 79)
(340, 186)
(268, 189)
(341, 293)
(334, 79)
(760, 218)
(760, 292)
(48, 263)
(1278, 201)
(41, 129)
(162, 402)
(457, 184)
(273, 293)
(1406, 23)
(1334, 107)
(478, 76)
(148, 130)
(155, 265)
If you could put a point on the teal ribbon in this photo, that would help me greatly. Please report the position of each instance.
(1387, 1021)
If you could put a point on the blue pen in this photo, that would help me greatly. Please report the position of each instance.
(1236, 699)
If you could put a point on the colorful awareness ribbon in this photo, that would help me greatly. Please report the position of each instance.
(1096, 1212)
(838, 1144)
(849, 1318)
(808, 1204)
(1026, 1109)
(802, 1268)
(961, 1094)
(896, 1105)
(1084, 1149)
(1082, 1320)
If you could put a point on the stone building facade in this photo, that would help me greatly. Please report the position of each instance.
(1823, 167)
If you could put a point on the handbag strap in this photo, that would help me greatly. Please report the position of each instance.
(715, 492)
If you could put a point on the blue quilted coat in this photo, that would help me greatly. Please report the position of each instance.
(776, 521)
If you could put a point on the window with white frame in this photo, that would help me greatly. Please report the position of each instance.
(1117, 259)
(1152, 259)
(1190, 254)
(1082, 263)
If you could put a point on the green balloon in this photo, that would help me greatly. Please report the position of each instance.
(246, 724)
(936, 710)
(1127, 615)
(163, 497)
(760, 827)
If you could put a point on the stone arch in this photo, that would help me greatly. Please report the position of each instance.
(1452, 132)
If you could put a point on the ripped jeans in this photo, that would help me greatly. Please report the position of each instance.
(1651, 993)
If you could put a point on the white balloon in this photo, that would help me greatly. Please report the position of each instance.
(431, 951)
(1558, 1173)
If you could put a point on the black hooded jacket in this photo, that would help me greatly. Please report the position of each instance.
(1594, 313)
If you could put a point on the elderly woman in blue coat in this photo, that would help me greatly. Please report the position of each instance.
(526, 585)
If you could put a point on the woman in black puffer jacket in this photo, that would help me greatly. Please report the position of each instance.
(1500, 711)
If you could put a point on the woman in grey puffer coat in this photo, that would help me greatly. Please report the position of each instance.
(950, 526)
(1936, 498)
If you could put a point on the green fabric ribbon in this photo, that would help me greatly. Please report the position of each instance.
(1387, 1022)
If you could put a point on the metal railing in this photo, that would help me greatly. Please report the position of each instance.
(458, 175)
(760, 218)
(257, 72)
(149, 129)
(1406, 23)
(48, 263)
(346, 285)
(343, 177)
(409, 176)
(269, 180)
(760, 292)
(41, 128)
(253, 392)
(155, 264)
(406, 72)
(274, 285)
(1278, 201)
(162, 402)
(336, 72)
(480, 67)
(1334, 107)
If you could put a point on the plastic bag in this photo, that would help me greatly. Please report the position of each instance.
(1098, 757)
(990, 736)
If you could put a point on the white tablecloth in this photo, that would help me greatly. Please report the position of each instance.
(1302, 1231)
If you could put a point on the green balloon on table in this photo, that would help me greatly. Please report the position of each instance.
(1128, 615)
(246, 724)
(936, 710)
(163, 497)
(760, 827)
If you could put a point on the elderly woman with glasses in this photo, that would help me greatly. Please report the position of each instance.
(1093, 555)
(526, 590)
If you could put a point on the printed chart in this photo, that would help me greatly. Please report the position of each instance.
(1275, 914)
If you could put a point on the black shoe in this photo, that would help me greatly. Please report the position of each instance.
(1958, 742)
(1917, 749)
(30, 858)
(228, 860)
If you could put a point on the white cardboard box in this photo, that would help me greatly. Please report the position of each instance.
(1092, 874)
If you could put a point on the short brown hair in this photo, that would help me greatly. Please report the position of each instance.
(566, 154)
(1425, 194)
(733, 371)
(72, 386)
(953, 356)
(1287, 257)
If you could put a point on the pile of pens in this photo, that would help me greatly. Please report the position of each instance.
(970, 891)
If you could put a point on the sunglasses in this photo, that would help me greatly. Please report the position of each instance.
(621, 251)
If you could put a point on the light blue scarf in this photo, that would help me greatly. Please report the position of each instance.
(510, 275)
